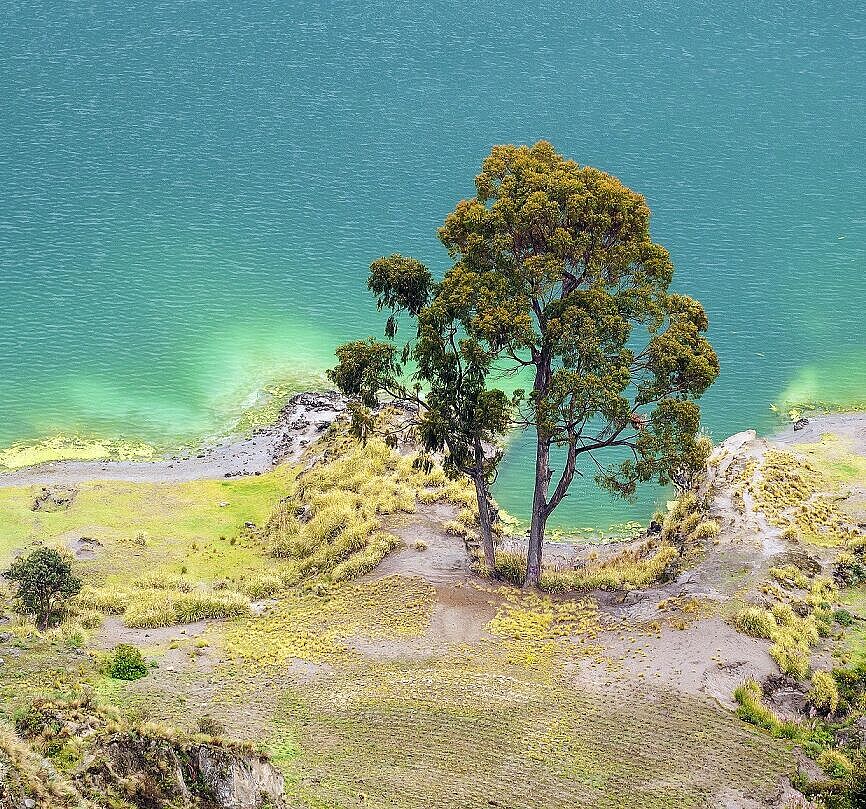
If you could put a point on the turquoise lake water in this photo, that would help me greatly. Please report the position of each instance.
(193, 192)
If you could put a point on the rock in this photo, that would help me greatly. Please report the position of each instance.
(29, 803)
(4, 636)
(54, 498)
(800, 424)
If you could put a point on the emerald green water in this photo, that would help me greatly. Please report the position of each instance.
(192, 193)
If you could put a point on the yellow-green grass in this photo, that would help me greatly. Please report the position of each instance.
(152, 527)
(834, 458)
(346, 496)
(798, 498)
(314, 626)
(853, 599)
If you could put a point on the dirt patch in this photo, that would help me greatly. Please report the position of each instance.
(113, 632)
(429, 552)
(54, 498)
(707, 657)
(848, 426)
(84, 548)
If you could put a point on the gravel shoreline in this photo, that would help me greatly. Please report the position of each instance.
(301, 421)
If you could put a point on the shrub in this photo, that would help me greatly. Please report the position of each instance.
(824, 694)
(756, 622)
(706, 530)
(843, 617)
(127, 663)
(43, 582)
(835, 763)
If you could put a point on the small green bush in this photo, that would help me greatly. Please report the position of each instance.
(127, 663)
(843, 617)
(835, 763)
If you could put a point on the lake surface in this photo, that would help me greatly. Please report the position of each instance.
(193, 192)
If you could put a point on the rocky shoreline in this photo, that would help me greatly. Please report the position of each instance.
(304, 417)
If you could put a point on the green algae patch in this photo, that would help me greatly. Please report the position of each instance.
(272, 398)
(74, 448)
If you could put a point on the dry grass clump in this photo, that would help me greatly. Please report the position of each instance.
(792, 495)
(108, 600)
(149, 608)
(160, 608)
(824, 694)
(332, 525)
(751, 708)
(790, 576)
(643, 565)
(264, 585)
(792, 634)
(538, 618)
(163, 581)
(24, 774)
(313, 626)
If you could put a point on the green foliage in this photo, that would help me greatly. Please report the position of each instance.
(126, 663)
(43, 581)
(554, 271)
(835, 763)
(751, 709)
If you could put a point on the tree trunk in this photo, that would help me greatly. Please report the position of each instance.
(539, 514)
(485, 524)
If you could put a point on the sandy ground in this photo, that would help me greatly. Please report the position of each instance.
(848, 426)
(302, 420)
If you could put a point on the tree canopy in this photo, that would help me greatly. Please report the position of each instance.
(42, 581)
(555, 280)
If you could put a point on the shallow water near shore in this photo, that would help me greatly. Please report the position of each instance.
(193, 194)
